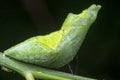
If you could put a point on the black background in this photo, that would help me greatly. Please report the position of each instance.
(99, 55)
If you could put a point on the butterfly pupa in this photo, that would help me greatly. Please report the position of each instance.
(58, 48)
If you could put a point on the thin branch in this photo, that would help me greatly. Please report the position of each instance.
(29, 76)
(31, 71)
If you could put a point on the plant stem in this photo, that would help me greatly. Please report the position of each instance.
(29, 76)
(30, 71)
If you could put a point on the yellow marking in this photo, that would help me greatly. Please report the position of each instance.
(51, 40)
(83, 14)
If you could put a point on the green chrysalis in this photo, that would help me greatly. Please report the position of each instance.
(58, 48)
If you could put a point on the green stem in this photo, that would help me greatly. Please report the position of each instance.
(30, 71)
(29, 76)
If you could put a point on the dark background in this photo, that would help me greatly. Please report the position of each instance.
(99, 55)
